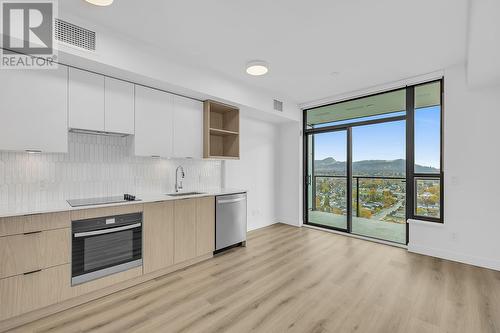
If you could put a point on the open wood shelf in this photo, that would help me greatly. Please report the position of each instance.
(221, 125)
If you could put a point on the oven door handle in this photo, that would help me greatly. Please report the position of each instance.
(106, 231)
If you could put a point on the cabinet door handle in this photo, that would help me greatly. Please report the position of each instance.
(33, 232)
(35, 271)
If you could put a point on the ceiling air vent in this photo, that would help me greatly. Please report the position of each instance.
(74, 35)
(278, 105)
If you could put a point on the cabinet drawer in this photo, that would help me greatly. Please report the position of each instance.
(28, 292)
(33, 223)
(23, 293)
(29, 252)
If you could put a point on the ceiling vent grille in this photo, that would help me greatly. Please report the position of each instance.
(278, 105)
(74, 35)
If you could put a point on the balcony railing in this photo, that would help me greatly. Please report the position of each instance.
(357, 180)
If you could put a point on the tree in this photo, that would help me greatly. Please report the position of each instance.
(325, 206)
(364, 212)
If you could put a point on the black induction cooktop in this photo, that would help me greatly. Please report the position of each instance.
(101, 200)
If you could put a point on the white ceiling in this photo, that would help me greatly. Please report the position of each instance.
(368, 42)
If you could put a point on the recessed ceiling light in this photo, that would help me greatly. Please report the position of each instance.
(257, 68)
(101, 3)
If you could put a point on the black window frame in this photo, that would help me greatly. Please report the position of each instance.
(415, 175)
(411, 175)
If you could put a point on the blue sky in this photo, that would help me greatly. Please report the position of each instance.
(386, 141)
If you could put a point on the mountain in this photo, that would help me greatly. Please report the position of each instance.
(394, 168)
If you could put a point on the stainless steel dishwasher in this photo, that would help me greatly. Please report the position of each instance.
(230, 221)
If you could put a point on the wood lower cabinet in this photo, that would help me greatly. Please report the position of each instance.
(27, 292)
(23, 293)
(205, 225)
(35, 252)
(177, 231)
(158, 229)
(185, 230)
(25, 253)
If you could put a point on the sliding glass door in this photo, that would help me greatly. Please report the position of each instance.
(370, 160)
(327, 179)
(379, 181)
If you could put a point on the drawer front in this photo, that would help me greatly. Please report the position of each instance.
(29, 252)
(12, 225)
(24, 293)
(33, 223)
(41, 222)
(84, 214)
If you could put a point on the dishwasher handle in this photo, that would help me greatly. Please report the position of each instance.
(230, 200)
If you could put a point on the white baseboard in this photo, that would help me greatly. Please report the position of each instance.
(454, 256)
(261, 225)
(289, 222)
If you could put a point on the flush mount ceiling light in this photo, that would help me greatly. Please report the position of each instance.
(101, 3)
(257, 67)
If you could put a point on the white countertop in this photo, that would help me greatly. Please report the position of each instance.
(61, 206)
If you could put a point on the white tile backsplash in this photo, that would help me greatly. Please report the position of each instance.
(96, 166)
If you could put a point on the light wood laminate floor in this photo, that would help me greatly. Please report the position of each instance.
(299, 280)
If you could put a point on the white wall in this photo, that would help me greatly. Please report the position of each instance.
(471, 229)
(289, 174)
(255, 171)
(483, 51)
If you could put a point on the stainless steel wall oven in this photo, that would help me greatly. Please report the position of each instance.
(105, 245)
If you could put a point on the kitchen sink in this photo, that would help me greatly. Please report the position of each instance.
(183, 194)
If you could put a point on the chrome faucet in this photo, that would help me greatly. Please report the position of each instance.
(178, 182)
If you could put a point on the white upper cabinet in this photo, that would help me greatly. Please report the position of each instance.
(33, 111)
(188, 128)
(99, 103)
(153, 122)
(86, 100)
(119, 106)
